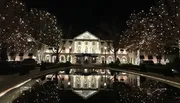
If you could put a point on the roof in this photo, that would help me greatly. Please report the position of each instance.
(98, 34)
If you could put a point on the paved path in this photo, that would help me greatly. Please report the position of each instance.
(174, 81)
(7, 81)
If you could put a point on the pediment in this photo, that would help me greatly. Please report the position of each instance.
(85, 94)
(86, 36)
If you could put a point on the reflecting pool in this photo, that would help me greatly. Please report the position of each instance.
(98, 85)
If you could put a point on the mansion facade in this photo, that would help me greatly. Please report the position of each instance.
(86, 47)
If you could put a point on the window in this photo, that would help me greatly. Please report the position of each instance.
(86, 43)
(93, 50)
(124, 60)
(53, 59)
(102, 50)
(102, 43)
(79, 42)
(62, 58)
(93, 43)
(109, 49)
(63, 49)
(48, 58)
(69, 58)
(79, 49)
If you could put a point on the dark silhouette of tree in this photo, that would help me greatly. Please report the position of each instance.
(3, 52)
(114, 30)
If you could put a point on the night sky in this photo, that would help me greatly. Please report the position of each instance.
(85, 15)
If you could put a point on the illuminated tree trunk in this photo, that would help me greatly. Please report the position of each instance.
(21, 56)
(57, 55)
(4, 56)
(13, 56)
(115, 55)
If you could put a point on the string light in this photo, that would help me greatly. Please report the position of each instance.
(18, 25)
(152, 31)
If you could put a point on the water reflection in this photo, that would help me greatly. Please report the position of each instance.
(92, 85)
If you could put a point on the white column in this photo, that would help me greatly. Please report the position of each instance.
(88, 82)
(98, 47)
(74, 81)
(138, 58)
(97, 81)
(82, 81)
(75, 47)
(83, 47)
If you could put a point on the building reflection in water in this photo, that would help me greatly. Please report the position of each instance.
(87, 82)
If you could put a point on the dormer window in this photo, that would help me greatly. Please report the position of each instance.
(102, 43)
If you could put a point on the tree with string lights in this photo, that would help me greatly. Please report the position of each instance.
(145, 33)
(15, 28)
(134, 36)
(10, 21)
(49, 34)
(131, 36)
(168, 12)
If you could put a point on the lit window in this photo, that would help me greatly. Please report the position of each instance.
(102, 50)
(93, 50)
(62, 58)
(79, 49)
(109, 49)
(86, 43)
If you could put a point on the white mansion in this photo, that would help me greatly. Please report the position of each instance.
(86, 47)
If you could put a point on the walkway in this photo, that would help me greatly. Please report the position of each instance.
(8, 81)
(174, 81)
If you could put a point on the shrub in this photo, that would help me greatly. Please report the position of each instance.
(168, 72)
(176, 63)
(10, 67)
(143, 68)
(113, 65)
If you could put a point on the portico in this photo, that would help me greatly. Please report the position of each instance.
(86, 58)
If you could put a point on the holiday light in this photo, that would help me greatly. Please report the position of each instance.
(18, 26)
(151, 32)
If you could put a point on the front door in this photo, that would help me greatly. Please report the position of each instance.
(86, 60)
